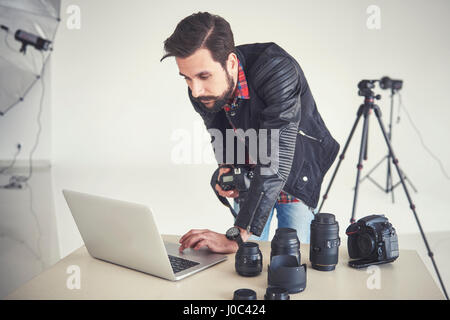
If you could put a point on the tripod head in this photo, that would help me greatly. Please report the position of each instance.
(365, 90)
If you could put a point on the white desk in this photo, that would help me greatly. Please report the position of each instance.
(406, 278)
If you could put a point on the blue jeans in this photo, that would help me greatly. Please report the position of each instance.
(294, 215)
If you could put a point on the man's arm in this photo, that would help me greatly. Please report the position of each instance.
(277, 82)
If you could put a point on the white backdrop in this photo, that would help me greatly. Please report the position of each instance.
(116, 108)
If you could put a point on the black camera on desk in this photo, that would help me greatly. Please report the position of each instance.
(372, 240)
(237, 178)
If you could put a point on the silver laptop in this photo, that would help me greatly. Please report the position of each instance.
(125, 233)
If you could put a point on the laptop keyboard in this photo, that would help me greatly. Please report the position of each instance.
(180, 264)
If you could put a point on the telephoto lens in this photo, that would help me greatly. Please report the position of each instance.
(276, 293)
(285, 242)
(325, 241)
(248, 260)
(244, 294)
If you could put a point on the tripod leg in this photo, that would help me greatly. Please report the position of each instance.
(366, 144)
(362, 151)
(389, 182)
(411, 205)
(409, 181)
(342, 156)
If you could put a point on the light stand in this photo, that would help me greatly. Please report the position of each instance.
(389, 184)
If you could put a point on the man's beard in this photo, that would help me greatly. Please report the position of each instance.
(221, 101)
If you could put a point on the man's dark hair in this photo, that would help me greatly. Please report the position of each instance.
(201, 30)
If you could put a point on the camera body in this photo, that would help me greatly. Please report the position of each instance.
(372, 240)
(237, 178)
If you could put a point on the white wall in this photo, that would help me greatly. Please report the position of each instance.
(20, 126)
(116, 107)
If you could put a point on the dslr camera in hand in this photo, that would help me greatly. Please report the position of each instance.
(372, 240)
(237, 178)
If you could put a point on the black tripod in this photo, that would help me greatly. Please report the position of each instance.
(389, 186)
(365, 110)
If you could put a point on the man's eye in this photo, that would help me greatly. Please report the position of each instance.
(201, 78)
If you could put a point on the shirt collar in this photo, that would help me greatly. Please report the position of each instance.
(241, 91)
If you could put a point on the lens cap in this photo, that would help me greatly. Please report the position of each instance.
(249, 248)
(325, 218)
(244, 294)
(286, 233)
(276, 293)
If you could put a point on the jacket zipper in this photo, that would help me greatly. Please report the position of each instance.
(254, 211)
(308, 136)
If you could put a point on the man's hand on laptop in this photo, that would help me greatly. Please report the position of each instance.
(216, 242)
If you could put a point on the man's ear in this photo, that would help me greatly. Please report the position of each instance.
(232, 61)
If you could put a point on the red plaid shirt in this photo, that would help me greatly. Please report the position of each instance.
(241, 92)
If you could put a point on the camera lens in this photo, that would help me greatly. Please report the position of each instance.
(285, 242)
(276, 293)
(325, 241)
(244, 294)
(248, 260)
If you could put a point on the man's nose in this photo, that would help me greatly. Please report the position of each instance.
(197, 90)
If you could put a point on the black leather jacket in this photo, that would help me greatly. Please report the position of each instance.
(280, 98)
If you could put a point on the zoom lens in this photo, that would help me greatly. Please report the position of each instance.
(248, 260)
(285, 242)
(325, 241)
